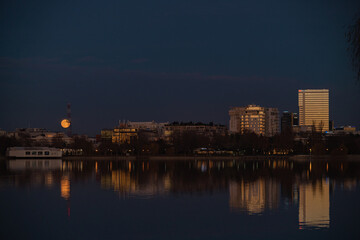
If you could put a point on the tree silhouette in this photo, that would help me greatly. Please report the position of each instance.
(353, 38)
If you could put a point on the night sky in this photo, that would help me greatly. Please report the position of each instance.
(170, 60)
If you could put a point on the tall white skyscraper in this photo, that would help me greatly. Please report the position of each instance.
(314, 109)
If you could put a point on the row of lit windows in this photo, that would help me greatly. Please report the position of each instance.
(39, 153)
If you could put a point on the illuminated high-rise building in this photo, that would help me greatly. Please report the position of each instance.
(253, 118)
(314, 109)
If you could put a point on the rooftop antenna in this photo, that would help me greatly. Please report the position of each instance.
(69, 132)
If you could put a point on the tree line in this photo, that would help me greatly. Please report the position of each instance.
(186, 143)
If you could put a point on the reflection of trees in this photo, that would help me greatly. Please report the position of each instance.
(188, 177)
(270, 179)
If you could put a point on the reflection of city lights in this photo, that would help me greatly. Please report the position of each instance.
(314, 205)
(49, 180)
(254, 197)
(310, 167)
(65, 187)
(96, 166)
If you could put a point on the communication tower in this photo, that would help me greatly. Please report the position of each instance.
(69, 118)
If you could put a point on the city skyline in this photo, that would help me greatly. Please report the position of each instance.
(276, 124)
(271, 120)
(179, 119)
(170, 61)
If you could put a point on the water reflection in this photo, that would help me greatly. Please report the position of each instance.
(65, 187)
(314, 204)
(127, 184)
(34, 164)
(254, 197)
(253, 187)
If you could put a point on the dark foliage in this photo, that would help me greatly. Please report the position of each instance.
(353, 38)
(6, 142)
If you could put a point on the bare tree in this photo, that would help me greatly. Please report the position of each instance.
(353, 38)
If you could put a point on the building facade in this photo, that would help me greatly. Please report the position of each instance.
(314, 109)
(289, 120)
(253, 118)
(153, 131)
(207, 130)
(124, 134)
(272, 122)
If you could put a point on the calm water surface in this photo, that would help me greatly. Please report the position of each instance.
(203, 199)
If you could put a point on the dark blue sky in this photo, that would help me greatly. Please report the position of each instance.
(170, 60)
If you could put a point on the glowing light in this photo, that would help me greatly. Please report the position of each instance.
(65, 123)
(65, 187)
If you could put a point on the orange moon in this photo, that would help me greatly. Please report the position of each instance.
(65, 123)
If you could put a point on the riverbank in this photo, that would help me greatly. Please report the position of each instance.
(217, 158)
(214, 158)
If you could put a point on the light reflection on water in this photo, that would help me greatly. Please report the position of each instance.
(253, 188)
(314, 204)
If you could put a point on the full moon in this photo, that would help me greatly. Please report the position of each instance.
(65, 123)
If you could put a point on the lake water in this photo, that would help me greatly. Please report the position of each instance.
(197, 199)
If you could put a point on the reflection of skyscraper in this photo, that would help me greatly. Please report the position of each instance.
(254, 197)
(314, 205)
(314, 108)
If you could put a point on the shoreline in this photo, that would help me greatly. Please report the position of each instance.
(218, 158)
(297, 158)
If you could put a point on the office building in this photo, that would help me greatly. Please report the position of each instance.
(314, 109)
(272, 124)
(295, 119)
(345, 130)
(331, 125)
(253, 118)
(202, 129)
(124, 134)
(289, 120)
(286, 121)
(152, 131)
